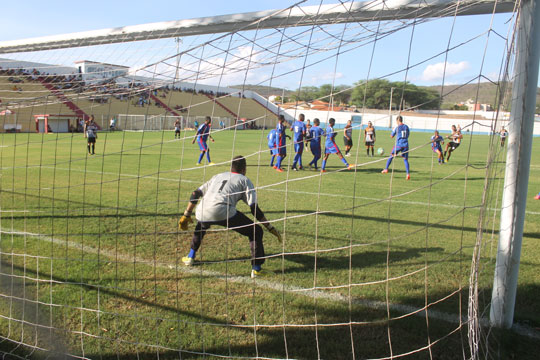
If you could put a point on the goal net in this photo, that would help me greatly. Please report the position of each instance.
(369, 265)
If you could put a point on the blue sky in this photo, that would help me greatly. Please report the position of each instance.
(476, 50)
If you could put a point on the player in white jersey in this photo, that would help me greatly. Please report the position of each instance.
(177, 128)
(90, 133)
(218, 207)
(455, 141)
(503, 134)
(369, 138)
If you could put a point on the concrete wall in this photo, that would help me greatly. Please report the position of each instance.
(421, 122)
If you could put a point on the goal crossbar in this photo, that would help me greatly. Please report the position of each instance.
(268, 19)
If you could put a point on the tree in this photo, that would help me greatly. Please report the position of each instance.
(376, 92)
(342, 94)
(377, 95)
(305, 93)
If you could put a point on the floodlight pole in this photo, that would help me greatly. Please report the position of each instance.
(390, 109)
(178, 42)
(518, 158)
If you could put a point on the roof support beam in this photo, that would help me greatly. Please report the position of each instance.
(268, 19)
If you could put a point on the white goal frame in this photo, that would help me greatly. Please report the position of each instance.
(525, 84)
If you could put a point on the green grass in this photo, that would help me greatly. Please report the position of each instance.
(96, 237)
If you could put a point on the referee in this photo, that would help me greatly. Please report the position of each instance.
(218, 198)
(347, 138)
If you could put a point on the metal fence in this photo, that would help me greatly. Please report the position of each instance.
(163, 122)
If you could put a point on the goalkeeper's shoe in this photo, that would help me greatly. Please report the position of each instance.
(188, 261)
(385, 171)
(260, 273)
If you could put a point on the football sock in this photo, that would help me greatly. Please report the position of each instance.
(192, 253)
(344, 161)
(200, 157)
(278, 164)
(372, 152)
(388, 162)
(300, 159)
(208, 155)
(323, 166)
(367, 151)
(406, 165)
(88, 148)
(272, 160)
(93, 147)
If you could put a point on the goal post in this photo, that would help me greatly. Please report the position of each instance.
(361, 11)
(518, 161)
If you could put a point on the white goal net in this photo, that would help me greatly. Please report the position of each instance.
(368, 265)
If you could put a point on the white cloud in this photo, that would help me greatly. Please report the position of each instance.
(328, 77)
(437, 71)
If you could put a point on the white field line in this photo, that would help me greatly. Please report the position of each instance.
(282, 190)
(267, 284)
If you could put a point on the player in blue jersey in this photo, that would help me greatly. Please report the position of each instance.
(436, 145)
(272, 146)
(315, 134)
(203, 133)
(281, 142)
(331, 146)
(299, 130)
(402, 145)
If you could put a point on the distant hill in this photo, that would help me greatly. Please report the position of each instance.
(485, 92)
(454, 94)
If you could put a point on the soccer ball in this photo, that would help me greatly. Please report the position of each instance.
(380, 151)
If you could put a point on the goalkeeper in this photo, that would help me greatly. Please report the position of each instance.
(218, 207)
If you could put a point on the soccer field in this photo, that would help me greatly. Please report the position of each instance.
(90, 251)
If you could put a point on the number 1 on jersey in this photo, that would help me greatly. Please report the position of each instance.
(222, 185)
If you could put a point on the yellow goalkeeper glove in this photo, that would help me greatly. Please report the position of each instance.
(274, 232)
(184, 222)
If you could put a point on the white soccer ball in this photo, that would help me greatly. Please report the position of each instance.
(380, 151)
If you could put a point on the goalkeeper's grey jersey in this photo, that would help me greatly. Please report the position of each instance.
(221, 194)
(91, 130)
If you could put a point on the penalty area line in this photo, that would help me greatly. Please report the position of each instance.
(407, 202)
(268, 284)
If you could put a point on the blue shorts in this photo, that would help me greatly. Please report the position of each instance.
(281, 150)
(332, 149)
(202, 145)
(436, 148)
(315, 149)
(404, 150)
(299, 147)
(274, 151)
